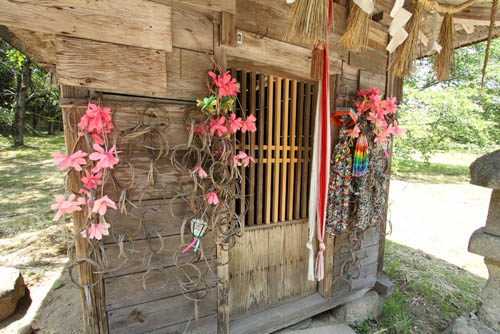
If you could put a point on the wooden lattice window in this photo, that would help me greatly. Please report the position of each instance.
(276, 187)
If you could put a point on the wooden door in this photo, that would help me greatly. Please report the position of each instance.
(268, 264)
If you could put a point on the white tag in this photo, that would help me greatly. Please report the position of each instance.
(402, 16)
(397, 5)
(437, 47)
(290, 1)
(397, 40)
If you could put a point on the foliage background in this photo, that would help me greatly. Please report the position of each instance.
(455, 115)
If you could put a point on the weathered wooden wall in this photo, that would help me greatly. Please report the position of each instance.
(154, 66)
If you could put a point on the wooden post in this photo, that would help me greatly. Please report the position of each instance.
(94, 313)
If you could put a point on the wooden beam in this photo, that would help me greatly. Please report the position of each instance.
(215, 5)
(132, 22)
(228, 29)
(476, 13)
(106, 66)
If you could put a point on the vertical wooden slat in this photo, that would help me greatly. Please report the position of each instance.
(293, 147)
(243, 143)
(270, 104)
(260, 163)
(233, 188)
(284, 149)
(305, 164)
(300, 151)
(277, 144)
(251, 177)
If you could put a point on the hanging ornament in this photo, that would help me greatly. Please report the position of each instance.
(344, 116)
(360, 156)
(355, 37)
(198, 229)
(339, 187)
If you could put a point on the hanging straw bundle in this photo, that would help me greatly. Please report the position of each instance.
(309, 22)
(355, 37)
(407, 53)
(494, 8)
(446, 57)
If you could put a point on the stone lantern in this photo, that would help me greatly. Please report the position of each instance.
(485, 172)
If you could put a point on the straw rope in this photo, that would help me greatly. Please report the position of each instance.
(446, 57)
(494, 7)
(355, 37)
(445, 9)
(309, 22)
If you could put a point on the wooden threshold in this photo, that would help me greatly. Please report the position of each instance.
(276, 318)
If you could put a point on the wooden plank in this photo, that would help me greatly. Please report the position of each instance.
(243, 141)
(293, 147)
(367, 280)
(368, 80)
(105, 66)
(223, 282)
(228, 29)
(186, 34)
(273, 319)
(270, 127)
(38, 46)
(325, 286)
(370, 61)
(276, 287)
(158, 314)
(215, 5)
(152, 285)
(142, 255)
(251, 176)
(134, 22)
(260, 166)
(300, 152)
(249, 278)
(205, 325)
(146, 219)
(308, 112)
(277, 144)
(370, 238)
(284, 150)
(273, 53)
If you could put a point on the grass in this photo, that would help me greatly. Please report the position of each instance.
(28, 181)
(442, 168)
(429, 293)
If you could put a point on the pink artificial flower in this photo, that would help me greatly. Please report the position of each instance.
(197, 129)
(200, 171)
(241, 159)
(96, 231)
(97, 138)
(218, 125)
(91, 181)
(224, 83)
(362, 106)
(249, 124)
(390, 105)
(101, 205)
(212, 198)
(96, 119)
(234, 123)
(104, 159)
(66, 206)
(397, 131)
(354, 132)
(65, 161)
(377, 119)
(382, 134)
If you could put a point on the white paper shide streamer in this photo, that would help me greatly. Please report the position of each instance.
(365, 5)
(400, 17)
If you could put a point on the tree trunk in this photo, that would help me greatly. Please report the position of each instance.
(22, 78)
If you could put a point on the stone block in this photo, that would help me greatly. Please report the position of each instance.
(331, 329)
(493, 220)
(369, 306)
(384, 287)
(485, 172)
(466, 325)
(11, 290)
(488, 305)
(485, 244)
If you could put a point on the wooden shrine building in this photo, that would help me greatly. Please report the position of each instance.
(148, 62)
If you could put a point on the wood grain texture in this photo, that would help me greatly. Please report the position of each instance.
(106, 66)
(158, 314)
(215, 5)
(260, 165)
(38, 46)
(276, 271)
(284, 149)
(228, 29)
(293, 148)
(309, 113)
(368, 80)
(192, 28)
(300, 152)
(277, 144)
(134, 22)
(270, 110)
(370, 61)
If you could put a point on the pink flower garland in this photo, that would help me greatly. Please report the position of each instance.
(223, 123)
(96, 124)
